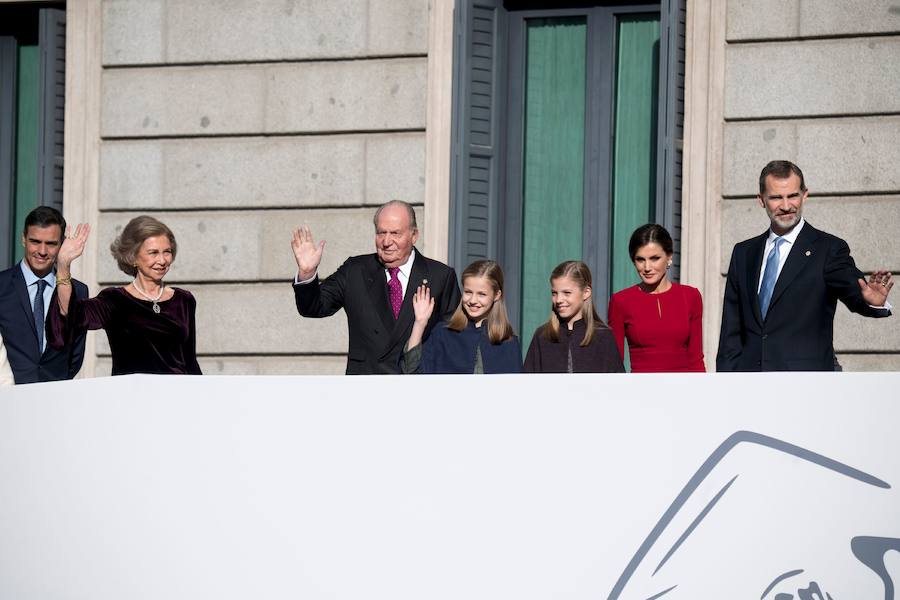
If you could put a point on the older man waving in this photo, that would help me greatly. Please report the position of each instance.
(375, 290)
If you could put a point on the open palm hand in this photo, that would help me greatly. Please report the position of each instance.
(307, 253)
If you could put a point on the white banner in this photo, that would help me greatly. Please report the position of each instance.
(771, 486)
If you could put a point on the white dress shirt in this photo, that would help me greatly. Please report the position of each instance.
(403, 273)
(789, 238)
(31, 284)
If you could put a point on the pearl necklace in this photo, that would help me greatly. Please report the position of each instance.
(162, 289)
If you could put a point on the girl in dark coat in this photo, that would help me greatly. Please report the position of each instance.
(478, 338)
(575, 339)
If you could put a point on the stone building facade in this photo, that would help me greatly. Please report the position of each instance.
(235, 121)
(811, 81)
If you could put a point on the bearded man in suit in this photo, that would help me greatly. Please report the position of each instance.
(783, 286)
(375, 290)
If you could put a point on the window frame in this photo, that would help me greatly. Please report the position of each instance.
(503, 229)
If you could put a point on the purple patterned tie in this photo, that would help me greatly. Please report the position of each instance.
(396, 291)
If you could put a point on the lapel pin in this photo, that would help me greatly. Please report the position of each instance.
(808, 252)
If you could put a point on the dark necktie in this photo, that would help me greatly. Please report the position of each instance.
(39, 313)
(396, 291)
(769, 277)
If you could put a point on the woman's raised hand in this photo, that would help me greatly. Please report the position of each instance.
(72, 246)
(307, 253)
(423, 304)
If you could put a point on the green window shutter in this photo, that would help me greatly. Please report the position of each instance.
(8, 64)
(479, 95)
(553, 158)
(27, 118)
(52, 97)
(671, 123)
(634, 193)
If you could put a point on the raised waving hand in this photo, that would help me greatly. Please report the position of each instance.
(72, 247)
(423, 306)
(876, 290)
(307, 253)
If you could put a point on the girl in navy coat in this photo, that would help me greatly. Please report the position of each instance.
(478, 338)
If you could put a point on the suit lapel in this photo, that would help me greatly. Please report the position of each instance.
(376, 288)
(417, 276)
(798, 258)
(757, 248)
(22, 292)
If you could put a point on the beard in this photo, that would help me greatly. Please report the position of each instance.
(785, 221)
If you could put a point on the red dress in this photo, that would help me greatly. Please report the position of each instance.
(664, 331)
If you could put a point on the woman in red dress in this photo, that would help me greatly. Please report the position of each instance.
(662, 320)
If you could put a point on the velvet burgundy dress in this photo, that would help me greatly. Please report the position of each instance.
(664, 331)
(141, 341)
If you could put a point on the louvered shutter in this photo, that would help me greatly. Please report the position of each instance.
(8, 52)
(671, 122)
(52, 95)
(479, 93)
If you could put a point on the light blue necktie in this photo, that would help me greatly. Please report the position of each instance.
(39, 313)
(769, 277)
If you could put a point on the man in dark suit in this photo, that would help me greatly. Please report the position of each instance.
(783, 286)
(26, 291)
(375, 290)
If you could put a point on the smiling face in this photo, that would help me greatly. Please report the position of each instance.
(783, 201)
(478, 298)
(154, 258)
(394, 236)
(651, 262)
(41, 247)
(568, 298)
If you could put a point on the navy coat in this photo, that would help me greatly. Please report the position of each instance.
(448, 351)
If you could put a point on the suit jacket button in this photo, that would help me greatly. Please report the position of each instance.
(765, 336)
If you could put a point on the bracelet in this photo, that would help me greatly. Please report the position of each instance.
(64, 280)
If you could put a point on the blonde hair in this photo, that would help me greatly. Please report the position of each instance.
(499, 328)
(126, 246)
(578, 272)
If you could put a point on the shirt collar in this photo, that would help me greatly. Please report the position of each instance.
(31, 278)
(406, 267)
(790, 237)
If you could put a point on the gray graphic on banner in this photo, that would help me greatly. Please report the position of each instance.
(793, 583)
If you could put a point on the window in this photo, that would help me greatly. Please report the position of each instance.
(567, 131)
(32, 95)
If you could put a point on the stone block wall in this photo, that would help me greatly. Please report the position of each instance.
(817, 82)
(234, 122)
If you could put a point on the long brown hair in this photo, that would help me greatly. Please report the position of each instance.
(578, 272)
(499, 328)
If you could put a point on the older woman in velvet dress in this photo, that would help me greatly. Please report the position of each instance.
(150, 325)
